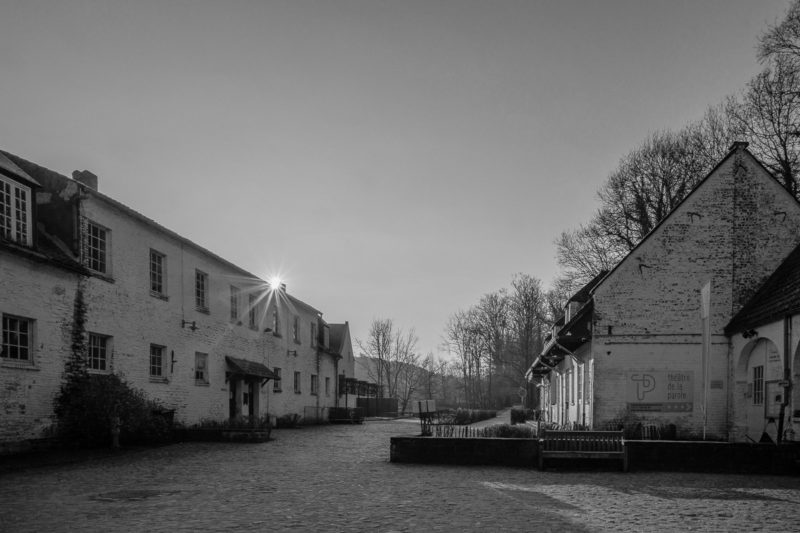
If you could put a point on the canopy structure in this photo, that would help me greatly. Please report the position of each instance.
(242, 368)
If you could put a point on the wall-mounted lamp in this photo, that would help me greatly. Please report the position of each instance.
(192, 325)
(291, 352)
(749, 333)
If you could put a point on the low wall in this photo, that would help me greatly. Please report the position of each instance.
(483, 451)
(694, 456)
(645, 455)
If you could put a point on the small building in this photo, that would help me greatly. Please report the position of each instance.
(650, 339)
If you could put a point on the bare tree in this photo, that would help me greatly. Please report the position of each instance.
(783, 39)
(396, 367)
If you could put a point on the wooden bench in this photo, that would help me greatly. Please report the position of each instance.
(582, 445)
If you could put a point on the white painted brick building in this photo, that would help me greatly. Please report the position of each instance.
(649, 339)
(192, 330)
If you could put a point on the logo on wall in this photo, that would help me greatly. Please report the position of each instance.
(660, 391)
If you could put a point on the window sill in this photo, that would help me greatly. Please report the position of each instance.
(96, 371)
(202, 383)
(277, 391)
(22, 365)
(159, 296)
(298, 392)
(158, 379)
(203, 310)
(101, 275)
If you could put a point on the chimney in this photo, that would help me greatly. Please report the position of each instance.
(738, 145)
(86, 178)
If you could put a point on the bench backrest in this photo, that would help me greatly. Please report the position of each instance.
(599, 441)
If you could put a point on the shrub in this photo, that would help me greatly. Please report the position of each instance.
(289, 421)
(88, 404)
(240, 422)
(469, 416)
(506, 431)
(519, 416)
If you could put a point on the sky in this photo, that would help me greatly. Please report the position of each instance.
(388, 159)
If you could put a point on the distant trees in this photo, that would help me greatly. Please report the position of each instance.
(497, 339)
(397, 369)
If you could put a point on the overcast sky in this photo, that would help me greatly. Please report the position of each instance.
(388, 158)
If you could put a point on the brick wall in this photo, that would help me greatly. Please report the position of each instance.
(732, 231)
(45, 294)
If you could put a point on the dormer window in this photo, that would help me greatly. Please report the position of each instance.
(15, 212)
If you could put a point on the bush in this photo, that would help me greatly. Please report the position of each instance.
(88, 404)
(240, 422)
(469, 416)
(506, 431)
(519, 416)
(289, 421)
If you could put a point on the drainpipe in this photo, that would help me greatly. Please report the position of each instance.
(787, 346)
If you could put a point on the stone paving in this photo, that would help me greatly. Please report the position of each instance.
(338, 478)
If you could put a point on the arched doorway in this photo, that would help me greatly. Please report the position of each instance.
(761, 369)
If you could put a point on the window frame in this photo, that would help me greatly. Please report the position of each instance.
(276, 322)
(161, 375)
(252, 311)
(758, 385)
(201, 291)
(95, 255)
(314, 334)
(104, 344)
(160, 274)
(17, 230)
(236, 295)
(5, 358)
(296, 329)
(297, 382)
(314, 385)
(201, 379)
(277, 383)
(327, 386)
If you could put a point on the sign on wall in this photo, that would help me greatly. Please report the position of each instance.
(660, 391)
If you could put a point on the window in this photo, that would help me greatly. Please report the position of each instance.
(200, 368)
(15, 212)
(314, 384)
(156, 361)
(296, 329)
(314, 334)
(275, 323)
(201, 290)
(297, 382)
(235, 303)
(327, 386)
(98, 352)
(158, 263)
(17, 341)
(97, 248)
(580, 383)
(276, 383)
(758, 385)
(253, 310)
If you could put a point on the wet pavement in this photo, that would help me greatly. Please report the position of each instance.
(339, 478)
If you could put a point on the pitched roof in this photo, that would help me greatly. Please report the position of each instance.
(737, 146)
(777, 297)
(243, 367)
(9, 167)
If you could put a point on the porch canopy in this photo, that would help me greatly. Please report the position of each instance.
(242, 368)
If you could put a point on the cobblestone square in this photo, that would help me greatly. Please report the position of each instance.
(339, 478)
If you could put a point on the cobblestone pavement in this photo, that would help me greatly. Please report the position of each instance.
(338, 478)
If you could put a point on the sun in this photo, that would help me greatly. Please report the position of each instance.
(275, 282)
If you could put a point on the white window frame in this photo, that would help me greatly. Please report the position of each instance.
(98, 355)
(201, 376)
(15, 219)
(158, 273)
(13, 334)
(236, 302)
(201, 290)
(277, 385)
(157, 353)
(98, 256)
